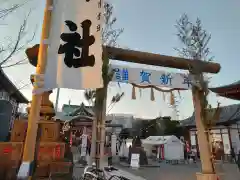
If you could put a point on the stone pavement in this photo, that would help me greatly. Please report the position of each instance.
(165, 171)
(76, 154)
(181, 172)
(78, 169)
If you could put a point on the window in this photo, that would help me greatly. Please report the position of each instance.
(192, 133)
(224, 131)
(5, 96)
(226, 143)
(216, 137)
(193, 140)
(215, 131)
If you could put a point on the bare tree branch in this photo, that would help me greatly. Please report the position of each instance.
(6, 11)
(15, 46)
(109, 33)
(19, 62)
(109, 37)
(195, 41)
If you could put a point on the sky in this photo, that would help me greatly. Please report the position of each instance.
(148, 26)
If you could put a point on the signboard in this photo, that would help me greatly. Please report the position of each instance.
(143, 76)
(74, 58)
(135, 158)
(114, 144)
(84, 145)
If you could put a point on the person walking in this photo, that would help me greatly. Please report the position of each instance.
(185, 155)
(238, 160)
(110, 163)
(187, 152)
(233, 156)
(194, 154)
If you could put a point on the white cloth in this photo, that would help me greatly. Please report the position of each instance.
(24, 170)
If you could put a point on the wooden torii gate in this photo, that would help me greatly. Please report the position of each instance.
(140, 58)
(196, 68)
(156, 60)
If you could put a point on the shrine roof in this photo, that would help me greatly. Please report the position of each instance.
(74, 110)
(9, 87)
(232, 88)
(231, 91)
(228, 115)
(62, 116)
(225, 87)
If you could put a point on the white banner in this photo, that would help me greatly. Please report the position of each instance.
(84, 145)
(74, 58)
(143, 76)
(135, 158)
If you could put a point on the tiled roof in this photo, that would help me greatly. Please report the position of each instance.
(83, 109)
(228, 114)
(8, 86)
(235, 84)
(71, 112)
(75, 109)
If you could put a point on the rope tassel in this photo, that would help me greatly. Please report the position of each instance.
(152, 95)
(140, 92)
(133, 92)
(172, 99)
(164, 98)
(179, 94)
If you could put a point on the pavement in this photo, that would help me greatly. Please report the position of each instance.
(166, 171)
(78, 171)
(78, 168)
(182, 172)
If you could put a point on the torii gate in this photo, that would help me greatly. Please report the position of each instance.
(141, 58)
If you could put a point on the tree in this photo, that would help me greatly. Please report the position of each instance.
(195, 41)
(151, 128)
(109, 36)
(124, 134)
(173, 127)
(13, 44)
(90, 96)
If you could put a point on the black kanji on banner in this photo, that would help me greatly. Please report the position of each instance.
(73, 42)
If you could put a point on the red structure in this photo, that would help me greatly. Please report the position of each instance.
(231, 91)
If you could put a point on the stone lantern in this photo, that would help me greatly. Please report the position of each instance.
(47, 109)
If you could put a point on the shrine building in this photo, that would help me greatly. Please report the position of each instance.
(82, 116)
(10, 98)
(227, 128)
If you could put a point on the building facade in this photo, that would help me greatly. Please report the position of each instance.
(10, 98)
(226, 131)
(126, 120)
(83, 116)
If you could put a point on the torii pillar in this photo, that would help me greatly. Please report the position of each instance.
(208, 170)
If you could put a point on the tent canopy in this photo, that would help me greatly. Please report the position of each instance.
(158, 140)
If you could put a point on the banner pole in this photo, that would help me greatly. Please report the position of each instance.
(26, 168)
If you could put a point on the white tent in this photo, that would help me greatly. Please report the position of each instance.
(168, 147)
(124, 149)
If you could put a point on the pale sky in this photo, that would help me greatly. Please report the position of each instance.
(149, 26)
